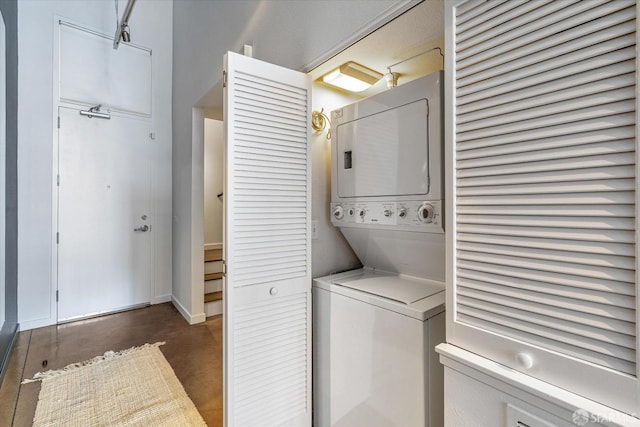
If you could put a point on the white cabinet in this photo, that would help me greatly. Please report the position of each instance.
(541, 169)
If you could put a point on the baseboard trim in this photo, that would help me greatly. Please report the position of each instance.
(208, 246)
(161, 299)
(38, 323)
(191, 318)
(7, 354)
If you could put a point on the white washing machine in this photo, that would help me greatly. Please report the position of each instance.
(375, 329)
(374, 337)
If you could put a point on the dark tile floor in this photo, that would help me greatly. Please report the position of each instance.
(194, 352)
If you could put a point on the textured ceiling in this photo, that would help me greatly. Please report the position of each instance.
(417, 30)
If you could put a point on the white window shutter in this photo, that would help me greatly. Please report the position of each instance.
(267, 286)
(542, 190)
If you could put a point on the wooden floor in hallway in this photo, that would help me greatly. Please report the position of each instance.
(194, 352)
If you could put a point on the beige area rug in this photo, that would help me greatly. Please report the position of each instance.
(134, 387)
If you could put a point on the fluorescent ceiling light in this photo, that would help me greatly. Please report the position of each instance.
(352, 77)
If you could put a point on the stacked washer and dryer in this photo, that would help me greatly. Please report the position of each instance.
(375, 328)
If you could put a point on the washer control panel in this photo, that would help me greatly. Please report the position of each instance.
(410, 215)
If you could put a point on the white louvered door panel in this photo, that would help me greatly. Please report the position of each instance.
(542, 190)
(267, 287)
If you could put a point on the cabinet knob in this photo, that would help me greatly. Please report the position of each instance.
(524, 360)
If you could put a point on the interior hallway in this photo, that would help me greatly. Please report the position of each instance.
(194, 352)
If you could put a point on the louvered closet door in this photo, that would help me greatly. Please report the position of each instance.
(267, 245)
(542, 201)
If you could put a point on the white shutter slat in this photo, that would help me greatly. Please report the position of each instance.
(268, 144)
(267, 282)
(605, 122)
(590, 81)
(619, 140)
(523, 250)
(582, 271)
(597, 105)
(544, 316)
(493, 24)
(625, 198)
(533, 152)
(540, 172)
(251, 386)
(543, 189)
(570, 298)
(591, 186)
(551, 100)
(604, 110)
(471, 9)
(563, 25)
(550, 231)
(591, 57)
(550, 221)
(246, 156)
(515, 273)
(575, 210)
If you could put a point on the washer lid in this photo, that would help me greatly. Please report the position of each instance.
(394, 288)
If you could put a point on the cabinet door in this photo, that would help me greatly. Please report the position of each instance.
(267, 245)
(541, 142)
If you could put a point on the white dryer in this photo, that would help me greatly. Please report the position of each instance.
(375, 329)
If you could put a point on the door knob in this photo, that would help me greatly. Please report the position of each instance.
(143, 228)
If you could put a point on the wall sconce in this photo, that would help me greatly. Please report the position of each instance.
(319, 122)
(352, 76)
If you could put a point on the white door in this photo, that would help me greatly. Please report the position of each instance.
(267, 288)
(104, 214)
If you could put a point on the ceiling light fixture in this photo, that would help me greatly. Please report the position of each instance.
(352, 76)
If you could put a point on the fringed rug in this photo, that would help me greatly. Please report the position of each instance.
(134, 387)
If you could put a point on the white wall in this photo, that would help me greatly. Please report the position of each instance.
(331, 252)
(293, 34)
(150, 26)
(213, 169)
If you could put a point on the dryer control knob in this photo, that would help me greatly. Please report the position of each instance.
(402, 212)
(338, 212)
(361, 213)
(425, 213)
(388, 213)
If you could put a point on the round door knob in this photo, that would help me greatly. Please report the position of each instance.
(273, 291)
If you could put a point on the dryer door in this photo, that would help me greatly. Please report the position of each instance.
(267, 224)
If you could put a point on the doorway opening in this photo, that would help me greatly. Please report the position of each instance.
(213, 205)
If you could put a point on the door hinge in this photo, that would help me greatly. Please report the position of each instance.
(58, 122)
(57, 237)
(224, 78)
(58, 180)
(57, 296)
